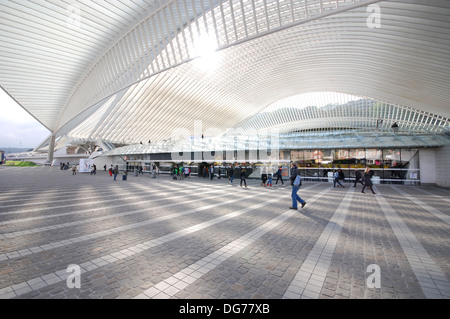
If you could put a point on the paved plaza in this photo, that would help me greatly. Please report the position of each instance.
(65, 236)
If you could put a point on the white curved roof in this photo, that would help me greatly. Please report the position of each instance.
(127, 70)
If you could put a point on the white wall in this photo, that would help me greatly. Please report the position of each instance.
(442, 166)
(102, 160)
(427, 162)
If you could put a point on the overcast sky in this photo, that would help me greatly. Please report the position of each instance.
(17, 127)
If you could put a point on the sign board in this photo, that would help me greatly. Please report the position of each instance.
(85, 165)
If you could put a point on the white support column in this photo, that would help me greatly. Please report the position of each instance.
(442, 172)
(427, 165)
(51, 148)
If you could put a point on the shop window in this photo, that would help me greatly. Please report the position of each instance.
(392, 166)
(325, 162)
(410, 166)
(374, 160)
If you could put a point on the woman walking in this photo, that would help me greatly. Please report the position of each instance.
(367, 180)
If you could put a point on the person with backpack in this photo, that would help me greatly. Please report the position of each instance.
(175, 172)
(337, 179)
(295, 187)
(279, 176)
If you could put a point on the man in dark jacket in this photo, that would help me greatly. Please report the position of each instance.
(116, 171)
(231, 173)
(243, 176)
(279, 175)
(358, 177)
(294, 195)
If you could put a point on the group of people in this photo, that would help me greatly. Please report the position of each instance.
(267, 176)
(181, 172)
(208, 172)
(338, 176)
(242, 175)
(365, 179)
(113, 171)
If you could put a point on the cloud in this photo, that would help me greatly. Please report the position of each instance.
(17, 127)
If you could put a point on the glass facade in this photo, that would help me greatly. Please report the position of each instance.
(389, 165)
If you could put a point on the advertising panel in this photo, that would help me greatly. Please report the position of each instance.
(85, 165)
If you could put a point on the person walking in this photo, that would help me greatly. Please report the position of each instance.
(341, 175)
(367, 178)
(337, 179)
(211, 172)
(175, 172)
(231, 174)
(74, 169)
(295, 197)
(279, 174)
(116, 171)
(181, 171)
(243, 176)
(269, 176)
(154, 171)
(358, 177)
(395, 127)
(263, 176)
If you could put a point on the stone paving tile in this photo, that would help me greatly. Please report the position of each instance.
(120, 265)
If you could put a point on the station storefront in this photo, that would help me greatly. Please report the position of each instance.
(396, 166)
(390, 166)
